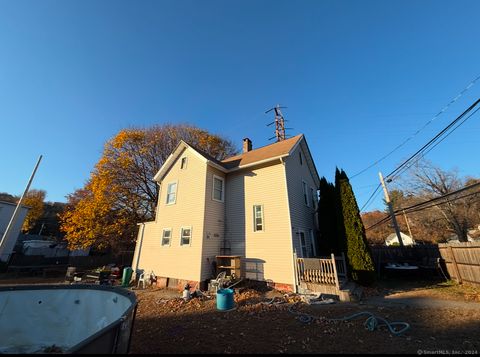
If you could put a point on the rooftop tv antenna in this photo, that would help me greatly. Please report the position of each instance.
(279, 122)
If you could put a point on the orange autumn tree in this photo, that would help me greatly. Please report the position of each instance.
(120, 191)
(34, 199)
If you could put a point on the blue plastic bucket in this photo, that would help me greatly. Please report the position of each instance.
(225, 299)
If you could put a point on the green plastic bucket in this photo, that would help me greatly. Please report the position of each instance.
(127, 275)
(225, 299)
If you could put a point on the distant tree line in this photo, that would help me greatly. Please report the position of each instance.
(42, 217)
(454, 216)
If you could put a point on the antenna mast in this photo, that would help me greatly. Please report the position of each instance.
(279, 123)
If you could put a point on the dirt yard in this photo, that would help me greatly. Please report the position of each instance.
(165, 323)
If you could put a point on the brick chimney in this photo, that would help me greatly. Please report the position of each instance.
(247, 145)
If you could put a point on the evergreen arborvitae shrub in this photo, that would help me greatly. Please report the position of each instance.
(359, 257)
(327, 220)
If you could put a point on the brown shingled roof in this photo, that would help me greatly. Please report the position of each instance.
(266, 152)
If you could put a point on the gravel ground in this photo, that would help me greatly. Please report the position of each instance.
(167, 324)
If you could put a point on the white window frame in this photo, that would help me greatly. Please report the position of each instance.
(169, 239)
(175, 193)
(314, 198)
(303, 247)
(183, 167)
(255, 219)
(181, 236)
(305, 193)
(313, 242)
(213, 188)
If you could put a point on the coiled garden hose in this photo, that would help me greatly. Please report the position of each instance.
(371, 323)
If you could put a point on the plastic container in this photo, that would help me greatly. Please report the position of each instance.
(225, 299)
(127, 275)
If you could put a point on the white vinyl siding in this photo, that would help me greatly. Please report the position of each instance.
(186, 236)
(266, 255)
(218, 188)
(176, 261)
(214, 225)
(166, 236)
(258, 224)
(302, 216)
(172, 193)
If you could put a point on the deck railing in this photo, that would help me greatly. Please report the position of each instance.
(327, 271)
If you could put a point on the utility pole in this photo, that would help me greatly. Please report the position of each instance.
(390, 208)
(19, 204)
(408, 225)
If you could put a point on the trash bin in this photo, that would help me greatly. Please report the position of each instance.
(225, 299)
(127, 275)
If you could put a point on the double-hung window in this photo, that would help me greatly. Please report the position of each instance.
(303, 244)
(186, 236)
(166, 236)
(258, 224)
(171, 193)
(218, 188)
(305, 193)
(314, 198)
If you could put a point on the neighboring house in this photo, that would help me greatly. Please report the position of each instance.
(392, 239)
(260, 205)
(454, 239)
(6, 212)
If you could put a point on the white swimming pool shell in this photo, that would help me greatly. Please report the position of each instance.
(65, 318)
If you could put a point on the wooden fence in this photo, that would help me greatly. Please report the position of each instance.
(327, 271)
(462, 261)
(19, 260)
(425, 255)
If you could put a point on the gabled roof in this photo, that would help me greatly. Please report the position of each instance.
(254, 157)
(272, 151)
(182, 145)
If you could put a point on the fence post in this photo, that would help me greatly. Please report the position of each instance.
(337, 282)
(457, 272)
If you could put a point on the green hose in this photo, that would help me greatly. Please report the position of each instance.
(370, 324)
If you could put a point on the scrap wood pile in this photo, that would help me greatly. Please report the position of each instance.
(248, 301)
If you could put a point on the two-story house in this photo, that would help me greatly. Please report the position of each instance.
(260, 205)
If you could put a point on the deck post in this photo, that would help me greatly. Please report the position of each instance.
(337, 282)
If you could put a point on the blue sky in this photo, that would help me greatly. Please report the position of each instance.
(358, 78)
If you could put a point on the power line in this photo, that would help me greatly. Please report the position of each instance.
(419, 130)
(421, 155)
(370, 198)
(436, 137)
(417, 207)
